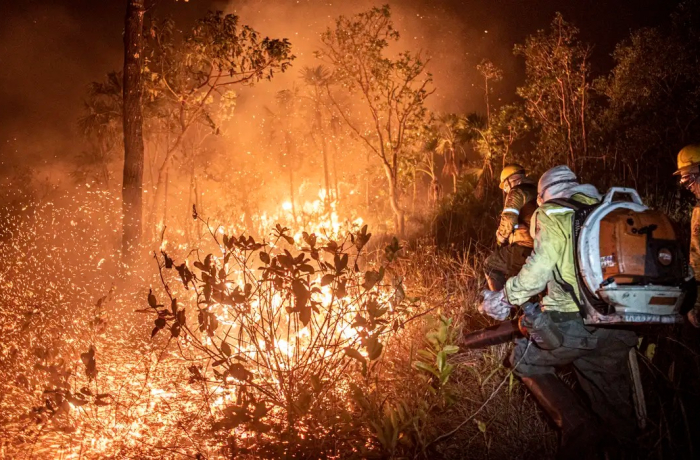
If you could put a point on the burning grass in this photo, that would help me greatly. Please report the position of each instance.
(303, 345)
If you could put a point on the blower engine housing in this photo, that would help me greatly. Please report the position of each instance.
(630, 264)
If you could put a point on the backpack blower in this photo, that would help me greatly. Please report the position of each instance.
(629, 263)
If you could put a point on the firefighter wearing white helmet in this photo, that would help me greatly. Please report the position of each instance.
(513, 234)
(598, 354)
(689, 172)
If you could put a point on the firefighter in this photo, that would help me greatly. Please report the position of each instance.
(513, 234)
(689, 172)
(599, 355)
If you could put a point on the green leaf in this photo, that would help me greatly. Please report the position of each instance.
(327, 279)
(445, 374)
(440, 360)
(426, 354)
(420, 365)
(650, 352)
(450, 349)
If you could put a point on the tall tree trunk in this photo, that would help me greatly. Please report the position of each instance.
(415, 189)
(324, 150)
(292, 195)
(132, 199)
(165, 198)
(399, 214)
(291, 152)
(190, 226)
(335, 174)
(367, 185)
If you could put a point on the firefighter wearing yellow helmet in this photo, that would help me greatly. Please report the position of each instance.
(513, 234)
(689, 172)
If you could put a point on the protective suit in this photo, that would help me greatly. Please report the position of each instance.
(599, 355)
(514, 228)
(689, 172)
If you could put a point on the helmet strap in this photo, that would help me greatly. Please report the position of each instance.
(565, 181)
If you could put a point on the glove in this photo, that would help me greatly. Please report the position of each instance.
(495, 305)
(500, 239)
(694, 317)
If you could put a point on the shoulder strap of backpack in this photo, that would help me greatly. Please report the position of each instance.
(566, 203)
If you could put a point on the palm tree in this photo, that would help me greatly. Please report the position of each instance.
(475, 128)
(449, 140)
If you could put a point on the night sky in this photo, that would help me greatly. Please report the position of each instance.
(50, 50)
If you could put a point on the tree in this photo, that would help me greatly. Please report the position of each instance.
(133, 127)
(193, 76)
(281, 132)
(491, 73)
(101, 126)
(652, 106)
(495, 140)
(390, 110)
(556, 92)
(316, 79)
(449, 130)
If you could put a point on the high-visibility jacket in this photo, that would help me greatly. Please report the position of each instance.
(551, 264)
(695, 247)
(519, 206)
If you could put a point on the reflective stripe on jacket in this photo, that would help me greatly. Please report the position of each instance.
(551, 261)
(520, 204)
(695, 247)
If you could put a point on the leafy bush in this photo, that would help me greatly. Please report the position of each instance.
(279, 334)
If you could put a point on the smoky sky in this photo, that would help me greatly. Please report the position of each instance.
(50, 50)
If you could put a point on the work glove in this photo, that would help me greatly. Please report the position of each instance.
(694, 317)
(501, 239)
(495, 305)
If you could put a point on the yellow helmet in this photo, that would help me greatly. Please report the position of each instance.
(510, 170)
(688, 159)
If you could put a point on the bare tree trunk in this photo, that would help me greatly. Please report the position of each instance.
(488, 105)
(335, 173)
(367, 184)
(415, 186)
(165, 198)
(324, 151)
(399, 214)
(190, 226)
(132, 184)
(292, 195)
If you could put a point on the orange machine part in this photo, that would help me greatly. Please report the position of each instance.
(623, 242)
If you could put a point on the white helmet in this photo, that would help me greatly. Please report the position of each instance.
(555, 176)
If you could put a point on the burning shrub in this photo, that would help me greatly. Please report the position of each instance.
(275, 336)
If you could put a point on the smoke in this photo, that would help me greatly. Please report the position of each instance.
(437, 29)
(50, 51)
